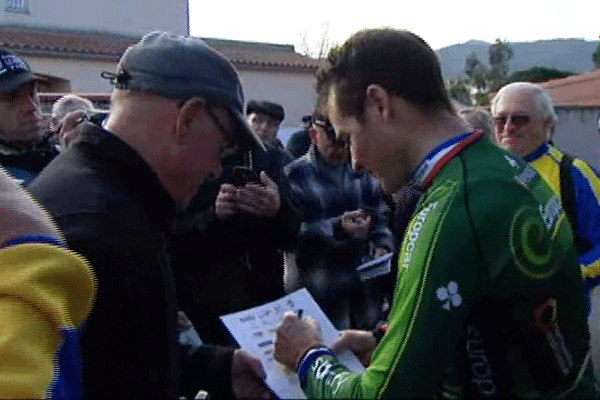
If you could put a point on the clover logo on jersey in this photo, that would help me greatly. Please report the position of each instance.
(449, 295)
(531, 244)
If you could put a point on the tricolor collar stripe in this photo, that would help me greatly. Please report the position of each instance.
(437, 158)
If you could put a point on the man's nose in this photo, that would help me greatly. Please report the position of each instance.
(357, 166)
(218, 169)
(509, 125)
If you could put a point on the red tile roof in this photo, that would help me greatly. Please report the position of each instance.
(111, 46)
(66, 43)
(575, 91)
(262, 54)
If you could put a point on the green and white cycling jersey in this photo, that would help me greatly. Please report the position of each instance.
(488, 301)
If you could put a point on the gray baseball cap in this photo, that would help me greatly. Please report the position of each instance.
(14, 72)
(183, 67)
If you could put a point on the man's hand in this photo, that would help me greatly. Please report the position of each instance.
(226, 203)
(248, 377)
(362, 343)
(67, 128)
(379, 252)
(262, 200)
(293, 337)
(356, 224)
(183, 322)
(20, 215)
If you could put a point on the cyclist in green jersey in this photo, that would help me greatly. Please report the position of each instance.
(488, 300)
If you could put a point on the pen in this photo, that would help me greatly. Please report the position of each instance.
(300, 312)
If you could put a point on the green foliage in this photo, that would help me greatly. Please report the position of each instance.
(482, 99)
(500, 54)
(539, 74)
(486, 80)
(596, 56)
(459, 91)
(476, 72)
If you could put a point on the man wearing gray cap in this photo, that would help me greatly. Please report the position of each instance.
(176, 107)
(23, 150)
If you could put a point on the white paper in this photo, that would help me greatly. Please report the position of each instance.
(376, 267)
(254, 330)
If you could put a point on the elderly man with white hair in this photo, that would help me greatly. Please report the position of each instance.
(524, 121)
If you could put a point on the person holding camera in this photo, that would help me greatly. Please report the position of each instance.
(68, 112)
(345, 225)
(228, 243)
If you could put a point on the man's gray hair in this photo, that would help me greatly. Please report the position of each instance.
(67, 104)
(541, 99)
(483, 119)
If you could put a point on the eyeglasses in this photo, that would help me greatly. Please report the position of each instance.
(330, 132)
(517, 120)
(230, 147)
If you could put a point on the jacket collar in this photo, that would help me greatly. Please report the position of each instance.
(124, 166)
(537, 153)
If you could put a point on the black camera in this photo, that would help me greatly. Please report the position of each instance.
(243, 175)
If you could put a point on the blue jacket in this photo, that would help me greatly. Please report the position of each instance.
(324, 193)
(546, 160)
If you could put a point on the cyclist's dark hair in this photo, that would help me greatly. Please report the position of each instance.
(398, 60)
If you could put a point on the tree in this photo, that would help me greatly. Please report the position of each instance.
(476, 72)
(317, 49)
(596, 56)
(539, 74)
(459, 91)
(483, 80)
(500, 54)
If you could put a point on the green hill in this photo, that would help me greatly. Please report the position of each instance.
(562, 54)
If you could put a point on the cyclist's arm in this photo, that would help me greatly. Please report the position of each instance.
(439, 278)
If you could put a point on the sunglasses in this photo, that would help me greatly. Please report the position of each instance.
(330, 132)
(517, 120)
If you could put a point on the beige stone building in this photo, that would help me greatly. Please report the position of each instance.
(70, 42)
(577, 105)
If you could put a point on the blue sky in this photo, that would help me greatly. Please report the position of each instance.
(440, 23)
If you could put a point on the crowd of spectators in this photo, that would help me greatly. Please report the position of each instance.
(181, 204)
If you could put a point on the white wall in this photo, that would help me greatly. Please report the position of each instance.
(293, 90)
(84, 74)
(133, 17)
(577, 133)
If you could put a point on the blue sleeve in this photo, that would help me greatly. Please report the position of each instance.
(33, 239)
(587, 200)
(380, 235)
(305, 193)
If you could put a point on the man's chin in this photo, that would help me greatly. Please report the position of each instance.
(22, 135)
(509, 143)
(391, 186)
(33, 134)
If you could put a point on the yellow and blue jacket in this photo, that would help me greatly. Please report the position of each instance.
(46, 293)
(546, 160)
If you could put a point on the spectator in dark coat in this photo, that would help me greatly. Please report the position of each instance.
(24, 151)
(114, 192)
(299, 141)
(265, 118)
(346, 224)
(229, 242)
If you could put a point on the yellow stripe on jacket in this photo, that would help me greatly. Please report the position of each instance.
(43, 288)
